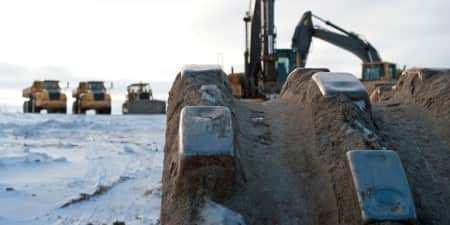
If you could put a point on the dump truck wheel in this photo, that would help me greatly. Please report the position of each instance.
(33, 108)
(104, 111)
(26, 106)
(79, 109)
(125, 108)
(74, 108)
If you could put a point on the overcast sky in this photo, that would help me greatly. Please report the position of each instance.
(150, 40)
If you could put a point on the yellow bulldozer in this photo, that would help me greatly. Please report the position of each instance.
(140, 100)
(44, 95)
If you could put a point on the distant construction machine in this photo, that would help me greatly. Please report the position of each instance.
(91, 95)
(375, 72)
(266, 68)
(140, 101)
(44, 95)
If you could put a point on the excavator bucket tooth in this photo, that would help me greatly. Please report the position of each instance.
(381, 186)
(206, 130)
(205, 133)
(332, 84)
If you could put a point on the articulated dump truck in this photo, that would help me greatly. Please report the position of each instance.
(91, 95)
(140, 101)
(44, 95)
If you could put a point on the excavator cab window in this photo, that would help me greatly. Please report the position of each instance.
(285, 63)
(373, 72)
(392, 72)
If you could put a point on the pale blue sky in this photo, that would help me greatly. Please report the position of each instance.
(148, 40)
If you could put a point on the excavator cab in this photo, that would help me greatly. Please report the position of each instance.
(286, 63)
(379, 71)
(375, 74)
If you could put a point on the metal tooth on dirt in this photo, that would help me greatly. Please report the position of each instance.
(205, 131)
(332, 84)
(381, 186)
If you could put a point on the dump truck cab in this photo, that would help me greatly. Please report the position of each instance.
(44, 95)
(140, 100)
(91, 95)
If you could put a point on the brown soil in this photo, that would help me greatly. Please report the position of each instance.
(415, 121)
(432, 93)
(291, 162)
(281, 185)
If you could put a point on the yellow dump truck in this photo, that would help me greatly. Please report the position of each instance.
(140, 101)
(44, 95)
(91, 95)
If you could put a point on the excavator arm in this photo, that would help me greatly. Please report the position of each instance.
(349, 41)
(260, 53)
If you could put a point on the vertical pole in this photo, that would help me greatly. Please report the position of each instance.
(247, 47)
(269, 73)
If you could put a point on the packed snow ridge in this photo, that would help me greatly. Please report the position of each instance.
(102, 168)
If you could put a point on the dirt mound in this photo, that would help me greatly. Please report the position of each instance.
(183, 195)
(425, 87)
(340, 125)
(414, 120)
(290, 154)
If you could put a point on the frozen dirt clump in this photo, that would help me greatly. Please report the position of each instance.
(414, 120)
(340, 125)
(290, 155)
(194, 85)
(428, 88)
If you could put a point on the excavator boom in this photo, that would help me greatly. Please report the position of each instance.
(260, 53)
(349, 41)
(375, 72)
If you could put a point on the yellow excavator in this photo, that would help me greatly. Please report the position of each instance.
(267, 68)
(375, 72)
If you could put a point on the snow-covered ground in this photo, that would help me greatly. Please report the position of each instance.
(75, 170)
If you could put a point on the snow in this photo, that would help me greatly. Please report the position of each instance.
(368, 134)
(216, 214)
(48, 160)
(191, 69)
